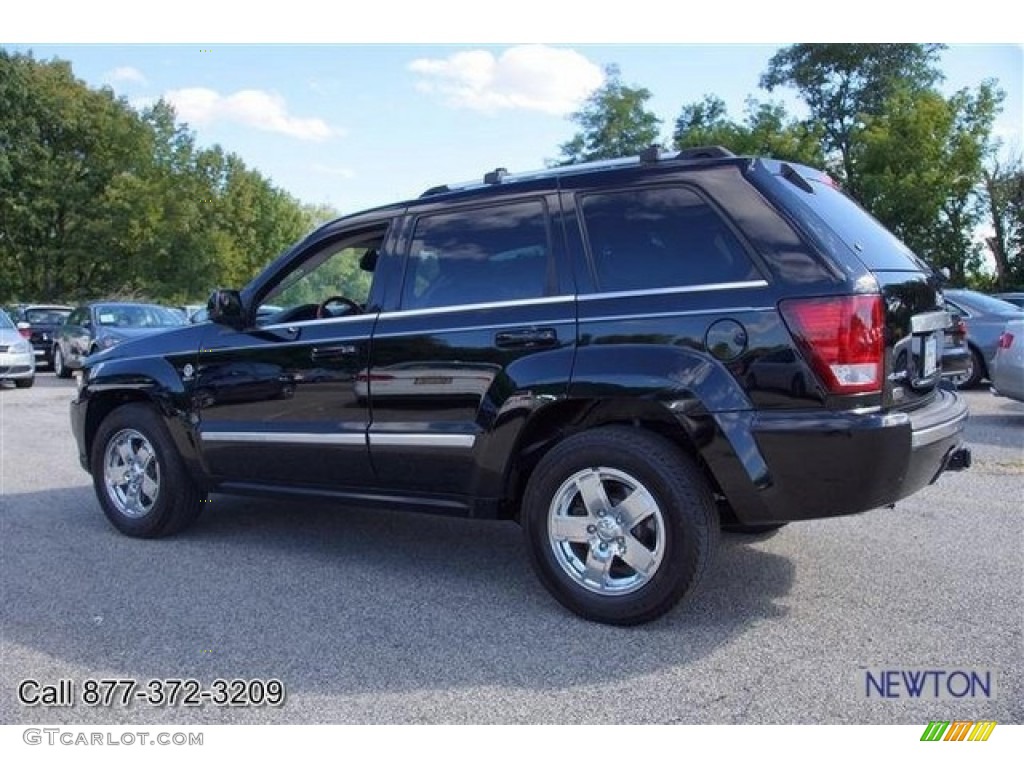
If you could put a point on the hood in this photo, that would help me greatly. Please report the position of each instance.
(150, 342)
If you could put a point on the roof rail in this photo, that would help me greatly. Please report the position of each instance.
(440, 189)
(701, 153)
(495, 176)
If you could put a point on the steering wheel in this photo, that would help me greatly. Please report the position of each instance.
(321, 310)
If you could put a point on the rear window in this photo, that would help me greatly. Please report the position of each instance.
(876, 246)
(44, 316)
(661, 237)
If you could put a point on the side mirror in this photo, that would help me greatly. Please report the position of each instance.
(225, 307)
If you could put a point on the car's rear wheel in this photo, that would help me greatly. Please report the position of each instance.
(973, 374)
(59, 366)
(139, 477)
(620, 524)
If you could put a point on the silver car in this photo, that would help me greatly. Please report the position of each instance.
(985, 318)
(17, 360)
(1008, 365)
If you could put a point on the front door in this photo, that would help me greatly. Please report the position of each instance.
(279, 402)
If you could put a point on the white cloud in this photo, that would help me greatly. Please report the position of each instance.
(254, 108)
(533, 77)
(125, 75)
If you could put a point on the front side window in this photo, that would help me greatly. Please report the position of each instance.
(480, 255)
(334, 281)
(661, 237)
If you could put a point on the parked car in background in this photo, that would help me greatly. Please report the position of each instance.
(94, 327)
(17, 361)
(38, 323)
(956, 355)
(1008, 365)
(1014, 297)
(985, 318)
(263, 314)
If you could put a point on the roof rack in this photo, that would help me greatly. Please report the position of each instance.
(653, 154)
(701, 153)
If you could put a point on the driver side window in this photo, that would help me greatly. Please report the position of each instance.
(333, 282)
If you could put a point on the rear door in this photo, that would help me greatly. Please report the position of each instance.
(482, 334)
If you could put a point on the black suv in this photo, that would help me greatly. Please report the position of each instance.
(621, 356)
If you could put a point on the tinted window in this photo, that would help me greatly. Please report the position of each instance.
(876, 246)
(137, 316)
(660, 238)
(78, 317)
(498, 253)
(43, 316)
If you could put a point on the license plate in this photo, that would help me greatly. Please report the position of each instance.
(432, 380)
(931, 355)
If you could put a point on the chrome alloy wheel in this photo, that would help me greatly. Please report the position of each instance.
(607, 531)
(131, 473)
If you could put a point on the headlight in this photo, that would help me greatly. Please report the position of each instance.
(109, 341)
(21, 348)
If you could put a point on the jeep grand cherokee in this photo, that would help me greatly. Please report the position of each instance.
(621, 356)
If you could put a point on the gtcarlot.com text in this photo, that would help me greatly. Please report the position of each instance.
(70, 737)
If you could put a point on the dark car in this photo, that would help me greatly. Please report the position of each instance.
(92, 328)
(985, 318)
(38, 323)
(658, 346)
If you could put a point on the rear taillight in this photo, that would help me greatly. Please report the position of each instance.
(26, 333)
(1005, 340)
(842, 338)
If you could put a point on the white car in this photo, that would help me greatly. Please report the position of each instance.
(1008, 364)
(17, 360)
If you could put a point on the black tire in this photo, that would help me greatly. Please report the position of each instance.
(682, 524)
(975, 373)
(176, 502)
(24, 383)
(59, 366)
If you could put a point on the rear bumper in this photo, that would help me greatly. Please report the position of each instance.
(809, 465)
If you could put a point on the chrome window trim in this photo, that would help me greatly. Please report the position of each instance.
(383, 334)
(730, 311)
(400, 313)
(320, 321)
(706, 287)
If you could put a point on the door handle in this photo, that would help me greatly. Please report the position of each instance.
(526, 338)
(332, 353)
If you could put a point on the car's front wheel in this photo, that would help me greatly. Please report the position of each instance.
(139, 477)
(59, 366)
(620, 524)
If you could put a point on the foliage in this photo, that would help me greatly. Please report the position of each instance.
(98, 200)
(614, 122)
(841, 83)
(1004, 199)
(767, 130)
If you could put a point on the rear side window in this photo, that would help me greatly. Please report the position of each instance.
(661, 238)
(479, 255)
(876, 246)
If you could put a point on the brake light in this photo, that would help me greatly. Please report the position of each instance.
(26, 333)
(842, 338)
(1005, 340)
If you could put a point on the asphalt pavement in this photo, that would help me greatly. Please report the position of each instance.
(370, 616)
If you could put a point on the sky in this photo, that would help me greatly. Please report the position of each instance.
(358, 125)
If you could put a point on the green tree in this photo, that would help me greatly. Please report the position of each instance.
(766, 130)
(614, 122)
(841, 83)
(920, 163)
(1004, 204)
